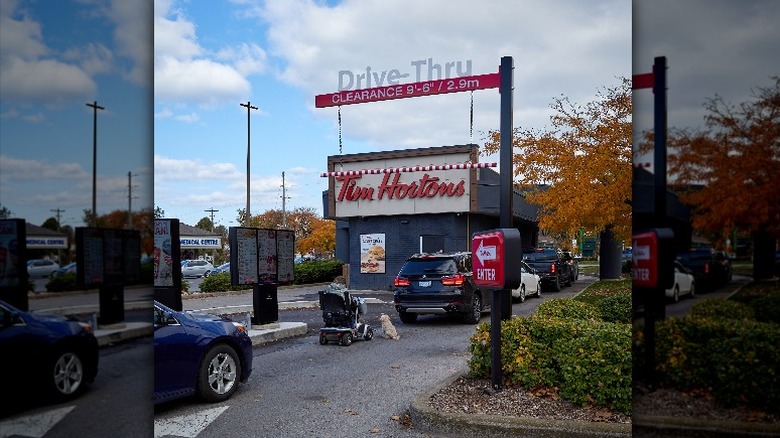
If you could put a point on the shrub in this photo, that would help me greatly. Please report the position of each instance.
(726, 309)
(220, 283)
(317, 271)
(616, 308)
(566, 308)
(737, 360)
(547, 351)
(62, 283)
(767, 309)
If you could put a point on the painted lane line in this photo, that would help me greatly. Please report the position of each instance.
(187, 426)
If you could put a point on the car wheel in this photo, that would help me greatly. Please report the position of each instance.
(407, 318)
(323, 339)
(522, 293)
(346, 340)
(476, 310)
(206, 274)
(557, 285)
(568, 281)
(67, 375)
(693, 290)
(219, 374)
(539, 289)
(676, 293)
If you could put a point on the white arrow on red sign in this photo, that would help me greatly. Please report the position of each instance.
(485, 252)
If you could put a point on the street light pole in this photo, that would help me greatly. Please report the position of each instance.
(249, 109)
(94, 107)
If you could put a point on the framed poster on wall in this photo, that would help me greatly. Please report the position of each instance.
(372, 253)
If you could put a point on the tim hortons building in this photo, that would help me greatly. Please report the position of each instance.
(390, 205)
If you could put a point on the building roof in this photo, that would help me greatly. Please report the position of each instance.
(188, 230)
(34, 230)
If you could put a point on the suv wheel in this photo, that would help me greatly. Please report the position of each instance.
(407, 318)
(476, 310)
(557, 285)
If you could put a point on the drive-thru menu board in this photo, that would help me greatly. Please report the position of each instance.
(285, 254)
(107, 256)
(261, 256)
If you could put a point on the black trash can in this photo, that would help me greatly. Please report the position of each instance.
(265, 304)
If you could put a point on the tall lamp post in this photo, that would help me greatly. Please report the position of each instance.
(249, 109)
(94, 107)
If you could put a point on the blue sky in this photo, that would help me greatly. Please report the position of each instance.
(55, 57)
(211, 56)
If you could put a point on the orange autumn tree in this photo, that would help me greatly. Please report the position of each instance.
(321, 240)
(729, 171)
(583, 161)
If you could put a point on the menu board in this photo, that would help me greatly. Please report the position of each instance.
(285, 255)
(89, 266)
(245, 255)
(113, 271)
(266, 256)
(261, 255)
(163, 260)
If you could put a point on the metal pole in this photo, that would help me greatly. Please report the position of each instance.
(94, 107)
(249, 107)
(506, 191)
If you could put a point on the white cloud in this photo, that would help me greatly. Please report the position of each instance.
(188, 118)
(201, 81)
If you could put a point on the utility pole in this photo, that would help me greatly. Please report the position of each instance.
(94, 107)
(212, 211)
(249, 109)
(59, 230)
(130, 200)
(284, 203)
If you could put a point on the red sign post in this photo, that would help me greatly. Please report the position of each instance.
(495, 258)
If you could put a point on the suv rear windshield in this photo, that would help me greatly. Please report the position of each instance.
(541, 255)
(438, 266)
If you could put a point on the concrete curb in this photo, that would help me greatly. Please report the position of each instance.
(697, 427)
(427, 419)
(276, 331)
(123, 332)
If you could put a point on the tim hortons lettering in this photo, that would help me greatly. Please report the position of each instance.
(391, 188)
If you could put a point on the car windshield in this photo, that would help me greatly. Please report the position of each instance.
(429, 266)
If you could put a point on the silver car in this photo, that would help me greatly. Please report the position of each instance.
(196, 268)
(41, 268)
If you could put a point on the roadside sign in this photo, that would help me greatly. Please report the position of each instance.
(652, 263)
(495, 257)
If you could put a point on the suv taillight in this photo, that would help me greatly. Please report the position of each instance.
(455, 280)
(400, 281)
(552, 268)
(706, 268)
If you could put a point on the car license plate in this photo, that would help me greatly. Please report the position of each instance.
(424, 283)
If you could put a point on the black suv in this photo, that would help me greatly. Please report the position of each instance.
(437, 284)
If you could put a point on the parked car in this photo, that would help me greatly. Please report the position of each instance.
(198, 354)
(70, 268)
(44, 352)
(41, 268)
(684, 283)
(225, 267)
(627, 254)
(553, 270)
(196, 268)
(439, 284)
(529, 284)
(712, 269)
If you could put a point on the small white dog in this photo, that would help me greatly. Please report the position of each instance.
(388, 329)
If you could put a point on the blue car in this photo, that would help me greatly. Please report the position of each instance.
(46, 352)
(198, 354)
(221, 268)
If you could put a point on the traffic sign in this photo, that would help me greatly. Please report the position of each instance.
(496, 256)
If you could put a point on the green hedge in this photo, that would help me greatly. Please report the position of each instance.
(317, 271)
(565, 345)
(219, 283)
(63, 283)
(738, 361)
(616, 308)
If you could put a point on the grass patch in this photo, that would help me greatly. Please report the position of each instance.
(602, 289)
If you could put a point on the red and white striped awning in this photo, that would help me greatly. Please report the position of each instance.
(429, 168)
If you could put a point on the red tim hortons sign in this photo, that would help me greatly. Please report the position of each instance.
(414, 89)
(495, 258)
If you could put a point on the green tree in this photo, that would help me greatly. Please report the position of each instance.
(5, 213)
(205, 224)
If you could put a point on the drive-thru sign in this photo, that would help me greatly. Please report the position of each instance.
(495, 258)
